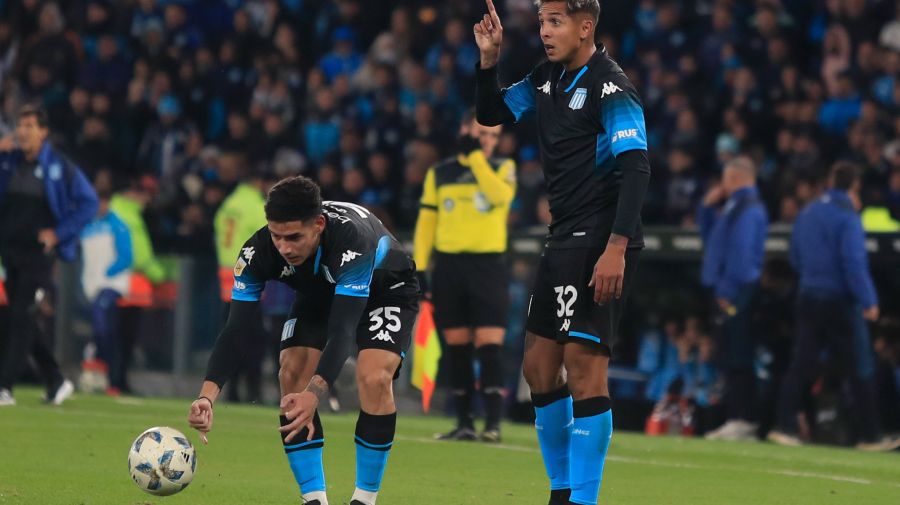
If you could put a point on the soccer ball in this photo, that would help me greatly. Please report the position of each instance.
(161, 461)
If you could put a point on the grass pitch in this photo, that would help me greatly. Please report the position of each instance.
(76, 455)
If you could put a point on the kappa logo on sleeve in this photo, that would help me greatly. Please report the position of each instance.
(609, 88)
(545, 88)
(248, 253)
(349, 256)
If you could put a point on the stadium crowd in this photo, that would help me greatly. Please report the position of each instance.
(197, 94)
(173, 103)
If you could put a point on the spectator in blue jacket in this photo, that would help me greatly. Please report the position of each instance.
(734, 237)
(45, 201)
(105, 277)
(828, 252)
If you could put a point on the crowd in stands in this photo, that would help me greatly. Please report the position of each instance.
(172, 103)
(194, 95)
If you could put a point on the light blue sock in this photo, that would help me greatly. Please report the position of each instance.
(587, 452)
(306, 464)
(374, 438)
(553, 423)
(370, 465)
(305, 457)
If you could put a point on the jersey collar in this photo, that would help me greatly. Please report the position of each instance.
(599, 53)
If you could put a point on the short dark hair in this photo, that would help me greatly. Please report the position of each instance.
(590, 7)
(37, 111)
(296, 198)
(844, 175)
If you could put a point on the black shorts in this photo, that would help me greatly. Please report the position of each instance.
(562, 304)
(386, 324)
(470, 290)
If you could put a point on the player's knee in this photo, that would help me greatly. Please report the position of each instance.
(586, 368)
(541, 377)
(375, 381)
(579, 382)
(290, 371)
(289, 375)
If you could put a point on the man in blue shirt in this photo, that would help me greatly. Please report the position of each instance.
(828, 252)
(45, 201)
(733, 240)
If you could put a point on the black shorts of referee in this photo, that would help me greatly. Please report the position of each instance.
(470, 290)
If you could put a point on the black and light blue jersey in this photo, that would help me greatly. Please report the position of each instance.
(259, 262)
(586, 118)
(357, 254)
(356, 257)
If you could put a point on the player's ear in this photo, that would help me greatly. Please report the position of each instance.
(587, 27)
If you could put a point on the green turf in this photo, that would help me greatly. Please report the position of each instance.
(76, 454)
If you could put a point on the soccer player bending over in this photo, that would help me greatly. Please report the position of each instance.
(594, 150)
(354, 285)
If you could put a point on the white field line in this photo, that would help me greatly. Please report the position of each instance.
(690, 466)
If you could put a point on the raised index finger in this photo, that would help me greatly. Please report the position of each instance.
(493, 12)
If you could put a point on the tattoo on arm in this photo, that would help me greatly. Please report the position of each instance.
(318, 387)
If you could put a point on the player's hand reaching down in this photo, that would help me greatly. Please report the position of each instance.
(488, 36)
(200, 417)
(299, 408)
(609, 272)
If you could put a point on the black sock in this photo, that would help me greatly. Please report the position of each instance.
(491, 384)
(590, 407)
(541, 400)
(462, 379)
(300, 437)
(560, 496)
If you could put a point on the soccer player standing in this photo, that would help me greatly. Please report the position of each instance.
(594, 150)
(354, 284)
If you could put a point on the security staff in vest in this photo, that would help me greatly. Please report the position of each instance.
(463, 218)
(45, 202)
(734, 237)
(240, 216)
(828, 252)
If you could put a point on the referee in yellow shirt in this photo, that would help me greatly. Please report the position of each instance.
(462, 217)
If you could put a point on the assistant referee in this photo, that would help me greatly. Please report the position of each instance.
(463, 213)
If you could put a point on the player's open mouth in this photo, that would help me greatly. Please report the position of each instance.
(548, 48)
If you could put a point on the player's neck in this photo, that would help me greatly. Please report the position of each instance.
(584, 54)
(319, 240)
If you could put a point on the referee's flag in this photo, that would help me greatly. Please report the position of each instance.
(426, 354)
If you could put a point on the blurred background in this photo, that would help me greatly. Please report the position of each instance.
(174, 104)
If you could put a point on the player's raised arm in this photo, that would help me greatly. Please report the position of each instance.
(488, 36)
(493, 106)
